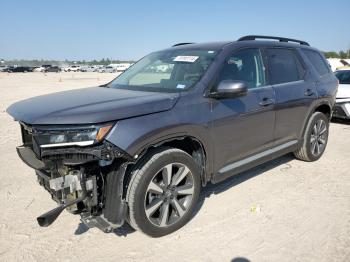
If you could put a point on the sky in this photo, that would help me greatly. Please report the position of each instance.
(128, 29)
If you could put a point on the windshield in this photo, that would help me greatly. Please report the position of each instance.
(166, 71)
(343, 76)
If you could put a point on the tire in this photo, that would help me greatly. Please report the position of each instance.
(315, 138)
(155, 208)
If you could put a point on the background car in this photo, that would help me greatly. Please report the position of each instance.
(107, 69)
(55, 69)
(3, 68)
(19, 69)
(41, 68)
(73, 68)
(88, 68)
(342, 106)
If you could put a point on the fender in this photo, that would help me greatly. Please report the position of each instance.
(135, 135)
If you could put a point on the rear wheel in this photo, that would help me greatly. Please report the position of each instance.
(315, 138)
(163, 192)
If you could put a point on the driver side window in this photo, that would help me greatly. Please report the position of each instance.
(244, 65)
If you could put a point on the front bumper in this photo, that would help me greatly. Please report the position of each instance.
(112, 213)
(28, 156)
(342, 108)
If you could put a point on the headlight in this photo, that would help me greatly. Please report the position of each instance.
(72, 137)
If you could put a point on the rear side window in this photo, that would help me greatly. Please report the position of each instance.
(284, 66)
(317, 61)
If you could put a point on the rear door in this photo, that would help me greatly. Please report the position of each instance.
(325, 78)
(294, 90)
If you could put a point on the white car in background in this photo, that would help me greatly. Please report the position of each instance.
(73, 68)
(342, 106)
(42, 68)
(89, 68)
(3, 68)
(107, 69)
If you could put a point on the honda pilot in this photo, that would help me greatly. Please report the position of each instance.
(140, 148)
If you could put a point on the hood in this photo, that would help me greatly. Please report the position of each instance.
(90, 106)
(343, 91)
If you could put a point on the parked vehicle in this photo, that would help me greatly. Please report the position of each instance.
(20, 69)
(107, 69)
(88, 68)
(42, 68)
(3, 68)
(140, 148)
(73, 68)
(54, 69)
(342, 106)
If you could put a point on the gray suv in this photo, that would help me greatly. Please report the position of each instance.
(140, 148)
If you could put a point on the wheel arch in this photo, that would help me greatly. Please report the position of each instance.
(190, 144)
(323, 106)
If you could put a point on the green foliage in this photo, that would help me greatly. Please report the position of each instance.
(341, 54)
(331, 54)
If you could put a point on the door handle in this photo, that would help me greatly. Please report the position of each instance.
(309, 92)
(267, 101)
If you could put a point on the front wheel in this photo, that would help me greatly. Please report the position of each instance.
(163, 192)
(315, 138)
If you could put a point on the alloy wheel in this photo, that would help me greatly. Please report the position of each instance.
(318, 137)
(169, 195)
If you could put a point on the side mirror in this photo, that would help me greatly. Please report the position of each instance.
(230, 88)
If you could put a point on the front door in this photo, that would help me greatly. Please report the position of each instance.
(244, 125)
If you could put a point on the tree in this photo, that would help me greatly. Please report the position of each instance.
(342, 55)
(331, 54)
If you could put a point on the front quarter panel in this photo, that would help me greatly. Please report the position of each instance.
(190, 117)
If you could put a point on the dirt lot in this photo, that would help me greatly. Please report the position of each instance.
(285, 210)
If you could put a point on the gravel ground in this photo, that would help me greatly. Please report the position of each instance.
(285, 210)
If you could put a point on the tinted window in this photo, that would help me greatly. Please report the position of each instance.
(343, 76)
(284, 66)
(244, 65)
(317, 61)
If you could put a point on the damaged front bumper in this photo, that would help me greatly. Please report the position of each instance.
(99, 197)
(28, 157)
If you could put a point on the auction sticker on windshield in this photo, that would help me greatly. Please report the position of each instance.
(185, 58)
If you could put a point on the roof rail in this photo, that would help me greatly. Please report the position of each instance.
(281, 39)
(182, 44)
